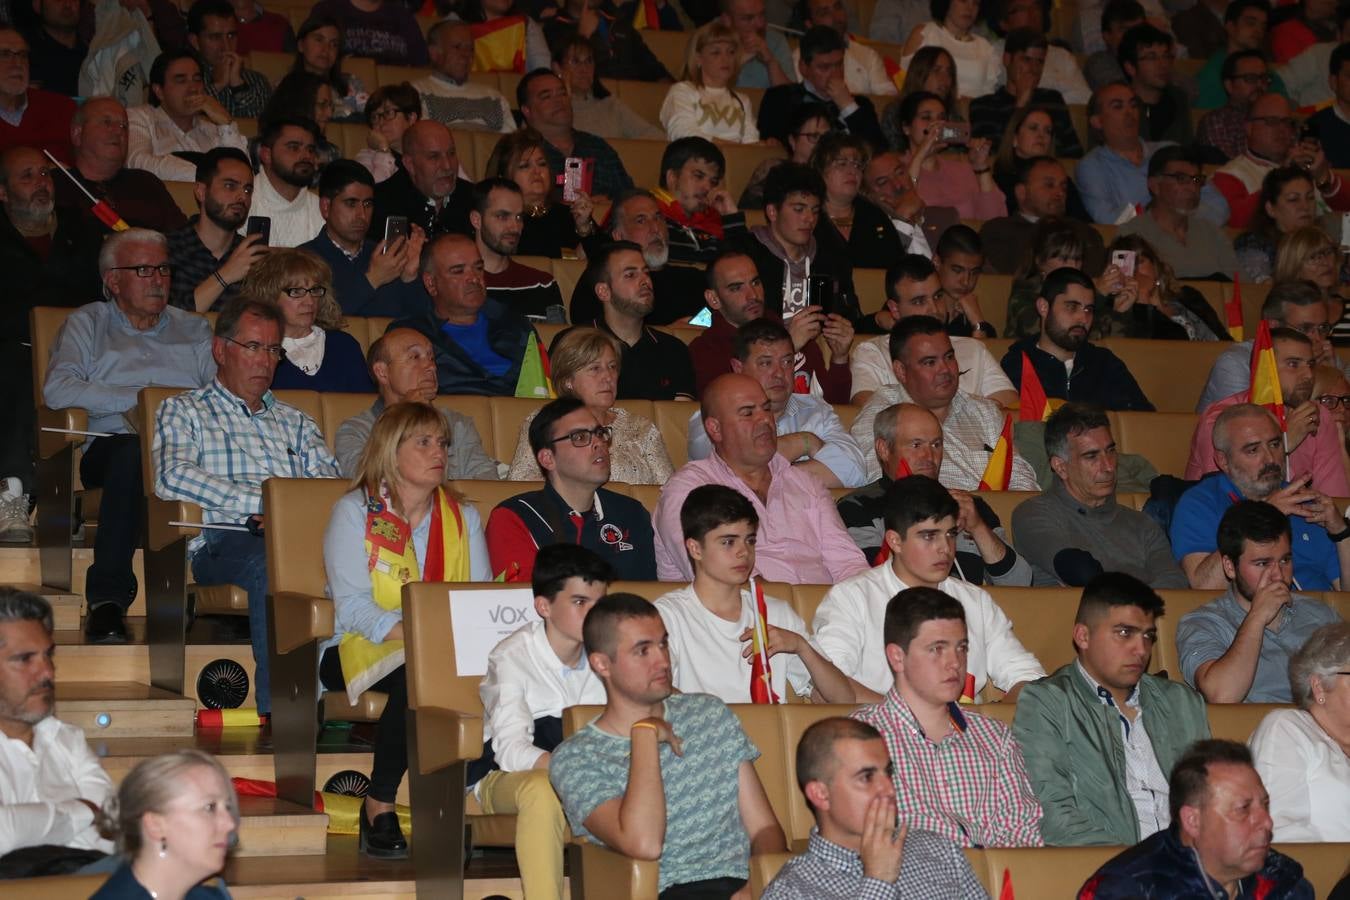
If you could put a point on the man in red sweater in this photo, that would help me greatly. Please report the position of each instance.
(30, 116)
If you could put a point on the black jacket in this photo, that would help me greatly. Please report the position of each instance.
(827, 260)
(779, 104)
(67, 277)
(619, 49)
(398, 196)
(1099, 376)
(456, 371)
(873, 242)
(1143, 320)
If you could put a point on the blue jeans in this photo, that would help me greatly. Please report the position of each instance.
(234, 557)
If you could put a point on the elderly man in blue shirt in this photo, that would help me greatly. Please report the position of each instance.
(103, 356)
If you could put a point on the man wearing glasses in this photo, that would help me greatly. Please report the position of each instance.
(1193, 247)
(104, 355)
(30, 116)
(572, 449)
(1245, 77)
(1244, 25)
(215, 447)
(1333, 123)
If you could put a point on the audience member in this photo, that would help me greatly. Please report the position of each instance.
(613, 777)
(210, 258)
(709, 621)
(1288, 203)
(926, 368)
(594, 108)
(213, 33)
(1300, 753)
(1219, 840)
(801, 539)
(1314, 21)
(933, 70)
(1244, 30)
(571, 448)
(287, 163)
(1305, 76)
(1223, 130)
(1330, 124)
(864, 69)
(765, 59)
(821, 67)
(403, 367)
(1102, 67)
(1076, 529)
(1199, 28)
(52, 785)
(964, 182)
(389, 112)
(1152, 304)
(383, 30)
(700, 213)
(56, 51)
(1054, 244)
(216, 445)
(551, 228)
(908, 441)
(705, 104)
(169, 136)
(1100, 778)
(927, 652)
(584, 363)
(619, 49)
(951, 28)
(810, 435)
(888, 182)
(637, 216)
(1061, 71)
(32, 117)
(319, 51)
(448, 96)
(1249, 449)
(1308, 256)
(498, 220)
(517, 44)
(534, 674)
(1146, 56)
(398, 507)
(545, 107)
(104, 354)
(1191, 245)
(1236, 648)
(1041, 190)
(304, 96)
(425, 188)
(1024, 57)
(959, 259)
(855, 227)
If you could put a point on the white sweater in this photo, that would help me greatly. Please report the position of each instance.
(717, 114)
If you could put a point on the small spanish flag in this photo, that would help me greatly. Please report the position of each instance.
(536, 379)
(761, 675)
(646, 16)
(211, 719)
(894, 72)
(499, 45)
(1006, 892)
(1265, 386)
(1032, 403)
(1233, 311)
(968, 690)
(902, 470)
(998, 473)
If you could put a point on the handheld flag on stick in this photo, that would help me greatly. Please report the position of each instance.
(1265, 385)
(902, 470)
(998, 473)
(646, 16)
(1006, 892)
(967, 689)
(1032, 403)
(1233, 311)
(101, 210)
(761, 676)
(535, 378)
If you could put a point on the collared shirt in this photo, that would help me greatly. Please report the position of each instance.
(1113, 186)
(294, 222)
(41, 788)
(849, 625)
(1144, 778)
(981, 375)
(247, 100)
(657, 367)
(14, 116)
(970, 786)
(804, 412)
(933, 868)
(193, 263)
(801, 538)
(101, 361)
(969, 433)
(211, 450)
(153, 139)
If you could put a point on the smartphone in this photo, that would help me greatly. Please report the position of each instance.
(1124, 260)
(395, 227)
(576, 178)
(703, 318)
(820, 292)
(955, 133)
(260, 225)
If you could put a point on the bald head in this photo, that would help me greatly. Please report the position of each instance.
(740, 422)
(430, 159)
(98, 133)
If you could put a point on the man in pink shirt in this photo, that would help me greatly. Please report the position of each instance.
(1311, 436)
(801, 537)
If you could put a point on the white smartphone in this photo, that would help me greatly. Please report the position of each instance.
(1124, 260)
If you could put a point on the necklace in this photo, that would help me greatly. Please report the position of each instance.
(537, 210)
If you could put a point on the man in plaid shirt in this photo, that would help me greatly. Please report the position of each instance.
(216, 445)
(956, 773)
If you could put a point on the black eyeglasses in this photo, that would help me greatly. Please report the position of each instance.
(1181, 178)
(1331, 401)
(295, 293)
(582, 437)
(275, 350)
(145, 271)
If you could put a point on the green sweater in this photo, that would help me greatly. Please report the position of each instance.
(1062, 727)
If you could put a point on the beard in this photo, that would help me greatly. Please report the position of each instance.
(220, 215)
(656, 254)
(1066, 338)
(502, 246)
(638, 307)
(299, 175)
(1265, 482)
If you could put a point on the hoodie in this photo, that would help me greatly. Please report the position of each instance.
(785, 280)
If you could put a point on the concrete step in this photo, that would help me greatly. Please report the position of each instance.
(270, 827)
(122, 709)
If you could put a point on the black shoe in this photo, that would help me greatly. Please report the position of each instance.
(383, 838)
(104, 624)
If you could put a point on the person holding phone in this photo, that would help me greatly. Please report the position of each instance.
(964, 182)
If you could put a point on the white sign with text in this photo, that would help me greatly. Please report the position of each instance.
(481, 619)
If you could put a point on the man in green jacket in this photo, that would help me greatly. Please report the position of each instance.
(1100, 735)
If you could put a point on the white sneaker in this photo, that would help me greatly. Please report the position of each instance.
(14, 524)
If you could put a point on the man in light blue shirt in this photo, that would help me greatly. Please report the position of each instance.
(810, 434)
(766, 58)
(103, 356)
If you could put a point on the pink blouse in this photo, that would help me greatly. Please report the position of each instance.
(954, 183)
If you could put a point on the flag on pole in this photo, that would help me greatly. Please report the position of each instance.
(1233, 311)
(1265, 385)
(1006, 892)
(761, 676)
(646, 16)
(968, 690)
(101, 210)
(1032, 403)
(902, 470)
(894, 73)
(499, 45)
(536, 378)
(998, 473)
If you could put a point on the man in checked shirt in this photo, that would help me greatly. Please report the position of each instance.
(216, 445)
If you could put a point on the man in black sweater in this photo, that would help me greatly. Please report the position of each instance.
(822, 71)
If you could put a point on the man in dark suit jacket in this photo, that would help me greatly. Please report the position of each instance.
(426, 188)
(822, 71)
(1041, 192)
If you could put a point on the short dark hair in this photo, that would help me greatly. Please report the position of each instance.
(1137, 38)
(758, 331)
(541, 427)
(482, 191)
(1249, 520)
(908, 610)
(728, 251)
(340, 173)
(1237, 7)
(959, 239)
(210, 162)
(909, 105)
(710, 506)
(1022, 168)
(523, 86)
(1070, 420)
(1164, 156)
(680, 152)
(1111, 589)
(788, 178)
(1290, 334)
(159, 69)
(1020, 40)
(216, 9)
(555, 564)
(910, 267)
(598, 632)
(912, 326)
(938, 9)
(1188, 784)
(914, 499)
(1339, 57)
(815, 750)
(227, 324)
(1117, 12)
(817, 40)
(1230, 61)
(1292, 293)
(1058, 281)
(597, 266)
(272, 128)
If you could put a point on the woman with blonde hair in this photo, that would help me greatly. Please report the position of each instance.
(585, 365)
(704, 104)
(320, 356)
(1308, 254)
(550, 225)
(399, 523)
(175, 818)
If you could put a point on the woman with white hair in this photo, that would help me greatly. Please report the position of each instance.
(175, 817)
(1303, 754)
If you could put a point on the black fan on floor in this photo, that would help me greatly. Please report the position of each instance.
(348, 783)
(222, 684)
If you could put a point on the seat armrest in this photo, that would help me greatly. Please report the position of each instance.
(159, 513)
(301, 619)
(606, 874)
(446, 737)
(764, 868)
(51, 443)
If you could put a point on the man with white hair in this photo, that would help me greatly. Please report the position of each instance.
(103, 356)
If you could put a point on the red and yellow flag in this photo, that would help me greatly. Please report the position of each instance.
(1233, 311)
(536, 378)
(968, 690)
(1006, 892)
(998, 473)
(646, 16)
(1032, 403)
(761, 675)
(1265, 386)
(902, 470)
(894, 73)
(499, 45)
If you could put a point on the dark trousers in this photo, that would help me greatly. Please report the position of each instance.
(238, 557)
(391, 735)
(711, 889)
(114, 464)
(17, 450)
